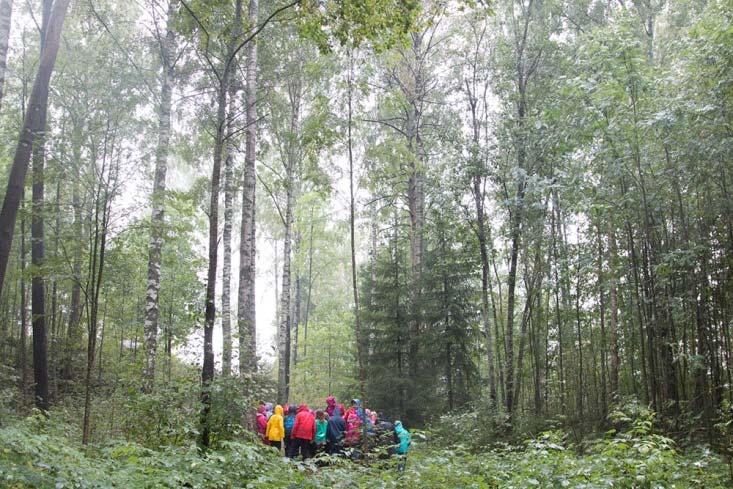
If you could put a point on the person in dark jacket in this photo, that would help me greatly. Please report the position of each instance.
(335, 432)
(288, 423)
(304, 432)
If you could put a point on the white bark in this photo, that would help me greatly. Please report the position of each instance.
(246, 320)
(293, 154)
(226, 287)
(6, 12)
(157, 218)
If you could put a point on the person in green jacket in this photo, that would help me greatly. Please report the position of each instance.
(404, 441)
(321, 430)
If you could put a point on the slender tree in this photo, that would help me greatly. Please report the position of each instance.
(352, 224)
(157, 220)
(246, 317)
(38, 284)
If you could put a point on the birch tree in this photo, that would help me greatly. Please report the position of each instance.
(166, 47)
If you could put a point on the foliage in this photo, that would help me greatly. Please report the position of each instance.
(37, 453)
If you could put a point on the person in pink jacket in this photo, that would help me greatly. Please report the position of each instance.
(261, 421)
(330, 405)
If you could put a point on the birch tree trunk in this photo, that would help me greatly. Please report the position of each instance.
(157, 219)
(6, 13)
(295, 318)
(283, 377)
(226, 276)
(246, 318)
(283, 371)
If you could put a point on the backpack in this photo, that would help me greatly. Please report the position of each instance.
(289, 422)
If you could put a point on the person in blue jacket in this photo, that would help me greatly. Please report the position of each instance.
(404, 440)
(288, 424)
(335, 432)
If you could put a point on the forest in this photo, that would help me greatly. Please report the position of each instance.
(506, 223)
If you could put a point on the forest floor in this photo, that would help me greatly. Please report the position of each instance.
(39, 454)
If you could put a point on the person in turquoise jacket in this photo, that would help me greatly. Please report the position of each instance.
(404, 442)
(321, 429)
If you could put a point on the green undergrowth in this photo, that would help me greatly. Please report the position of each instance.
(37, 452)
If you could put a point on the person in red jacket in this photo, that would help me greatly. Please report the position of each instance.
(304, 432)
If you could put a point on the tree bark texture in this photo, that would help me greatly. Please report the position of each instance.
(157, 218)
(246, 313)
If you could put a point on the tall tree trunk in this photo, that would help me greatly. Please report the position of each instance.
(23, 343)
(246, 318)
(555, 226)
(580, 393)
(73, 333)
(103, 199)
(511, 299)
(352, 234)
(477, 180)
(157, 219)
(38, 286)
(207, 371)
(415, 191)
(54, 284)
(295, 93)
(226, 276)
(38, 251)
(6, 13)
(485, 283)
(295, 316)
(31, 126)
(101, 339)
(310, 288)
(613, 325)
(602, 313)
(533, 282)
(283, 373)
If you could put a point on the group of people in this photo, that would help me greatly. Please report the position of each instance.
(303, 431)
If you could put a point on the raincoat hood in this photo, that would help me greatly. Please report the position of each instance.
(398, 426)
(331, 401)
(356, 402)
(261, 409)
(275, 430)
(302, 407)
